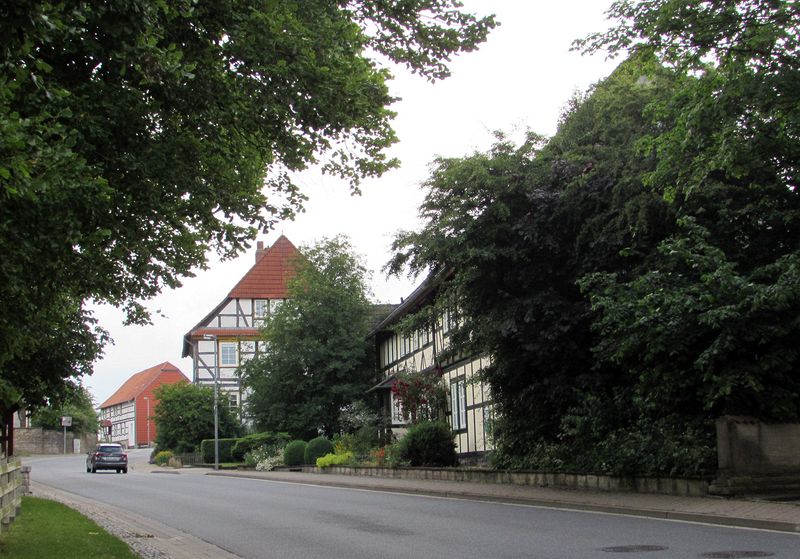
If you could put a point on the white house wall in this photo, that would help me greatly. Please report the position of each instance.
(416, 353)
(207, 354)
(123, 423)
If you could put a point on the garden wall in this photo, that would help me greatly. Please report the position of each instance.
(35, 440)
(665, 486)
(756, 457)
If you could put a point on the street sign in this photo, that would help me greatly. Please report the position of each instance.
(66, 421)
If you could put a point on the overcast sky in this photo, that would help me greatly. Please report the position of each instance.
(519, 79)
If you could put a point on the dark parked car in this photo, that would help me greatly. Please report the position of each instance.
(107, 456)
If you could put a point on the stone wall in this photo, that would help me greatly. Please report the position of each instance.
(35, 440)
(756, 457)
(745, 446)
(696, 487)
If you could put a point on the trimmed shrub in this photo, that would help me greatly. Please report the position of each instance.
(429, 443)
(335, 460)
(294, 453)
(250, 443)
(319, 446)
(162, 458)
(266, 458)
(225, 447)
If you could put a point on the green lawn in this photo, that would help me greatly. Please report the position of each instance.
(47, 529)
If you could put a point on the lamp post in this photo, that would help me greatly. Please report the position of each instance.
(147, 419)
(216, 398)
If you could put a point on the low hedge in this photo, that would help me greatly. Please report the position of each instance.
(249, 443)
(225, 447)
(335, 460)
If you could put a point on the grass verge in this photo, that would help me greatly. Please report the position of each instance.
(47, 529)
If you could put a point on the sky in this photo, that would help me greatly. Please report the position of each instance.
(519, 79)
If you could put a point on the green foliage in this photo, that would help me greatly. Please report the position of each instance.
(509, 233)
(265, 458)
(337, 459)
(249, 443)
(162, 457)
(184, 416)
(428, 443)
(294, 454)
(364, 429)
(636, 276)
(225, 450)
(77, 404)
(136, 136)
(422, 395)
(319, 359)
(316, 447)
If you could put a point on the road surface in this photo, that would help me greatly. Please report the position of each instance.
(260, 519)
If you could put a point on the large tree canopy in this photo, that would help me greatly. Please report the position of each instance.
(137, 134)
(636, 276)
(318, 359)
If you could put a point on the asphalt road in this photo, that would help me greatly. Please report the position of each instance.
(260, 519)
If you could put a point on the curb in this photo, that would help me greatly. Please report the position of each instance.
(731, 521)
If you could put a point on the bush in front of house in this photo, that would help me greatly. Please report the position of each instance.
(428, 443)
(294, 454)
(249, 443)
(225, 447)
(162, 457)
(317, 447)
(335, 460)
(265, 458)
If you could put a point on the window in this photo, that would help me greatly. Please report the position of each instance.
(458, 404)
(233, 401)
(397, 411)
(228, 353)
(260, 308)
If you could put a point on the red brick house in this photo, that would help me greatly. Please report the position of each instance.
(127, 416)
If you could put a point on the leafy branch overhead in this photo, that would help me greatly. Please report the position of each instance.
(135, 136)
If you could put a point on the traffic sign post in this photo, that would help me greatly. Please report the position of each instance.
(66, 421)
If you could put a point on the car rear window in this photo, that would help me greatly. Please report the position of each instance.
(110, 449)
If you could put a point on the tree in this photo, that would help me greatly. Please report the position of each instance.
(636, 276)
(135, 136)
(716, 311)
(511, 232)
(78, 404)
(318, 359)
(184, 416)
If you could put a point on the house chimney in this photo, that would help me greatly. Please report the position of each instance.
(259, 250)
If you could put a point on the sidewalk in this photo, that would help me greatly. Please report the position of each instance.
(748, 513)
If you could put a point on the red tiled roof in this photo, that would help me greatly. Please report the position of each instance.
(138, 383)
(268, 276)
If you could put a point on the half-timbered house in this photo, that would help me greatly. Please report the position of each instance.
(469, 407)
(127, 416)
(228, 336)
